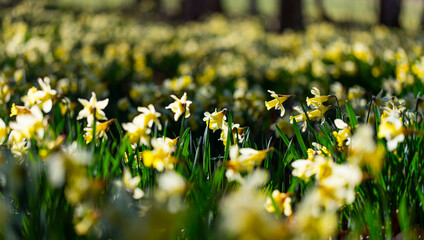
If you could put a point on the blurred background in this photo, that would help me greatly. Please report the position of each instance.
(277, 14)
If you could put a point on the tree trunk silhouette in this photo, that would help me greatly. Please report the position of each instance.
(389, 12)
(195, 9)
(253, 7)
(291, 14)
(422, 18)
(321, 10)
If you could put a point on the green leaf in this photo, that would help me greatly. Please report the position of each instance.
(352, 116)
(299, 138)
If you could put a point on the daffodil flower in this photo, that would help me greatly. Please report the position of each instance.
(43, 98)
(131, 184)
(137, 131)
(150, 116)
(3, 131)
(317, 100)
(30, 125)
(391, 128)
(215, 120)
(300, 118)
(344, 133)
(161, 156)
(18, 110)
(92, 108)
(277, 102)
(281, 200)
(244, 160)
(101, 129)
(180, 107)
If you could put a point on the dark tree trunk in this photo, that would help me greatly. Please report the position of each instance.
(253, 7)
(389, 12)
(422, 18)
(212, 6)
(194, 9)
(291, 14)
(322, 12)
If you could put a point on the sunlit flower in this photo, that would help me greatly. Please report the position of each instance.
(300, 118)
(101, 129)
(92, 108)
(343, 135)
(172, 187)
(317, 100)
(363, 149)
(180, 106)
(137, 131)
(30, 125)
(215, 120)
(244, 160)
(161, 156)
(277, 103)
(280, 200)
(18, 110)
(150, 116)
(43, 98)
(3, 131)
(85, 216)
(131, 184)
(237, 133)
(391, 128)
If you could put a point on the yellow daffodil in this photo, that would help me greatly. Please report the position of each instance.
(30, 125)
(215, 120)
(317, 100)
(363, 149)
(277, 103)
(137, 131)
(161, 156)
(237, 133)
(180, 107)
(281, 200)
(131, 184)
(344, 133)
(150, 116)
(391, 128)
(3, 131)
(43, 98)
(300, 118)
(92, 108)
(244, 160)
(101, 129)
(18, 110)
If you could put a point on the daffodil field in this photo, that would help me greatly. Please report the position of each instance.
(112, 128)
